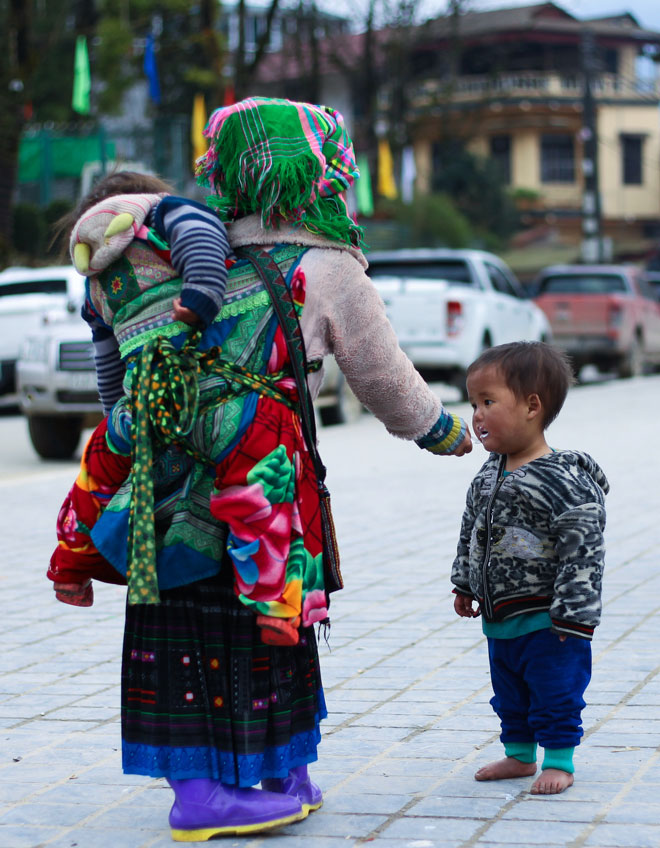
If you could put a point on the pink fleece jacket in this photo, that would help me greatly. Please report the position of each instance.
(344, 315)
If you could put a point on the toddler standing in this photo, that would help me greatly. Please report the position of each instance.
(530, 555)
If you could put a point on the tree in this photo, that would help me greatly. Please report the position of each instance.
(476, 187)
(189, 51)
(245, 69)
(37, 40)
(16, 65)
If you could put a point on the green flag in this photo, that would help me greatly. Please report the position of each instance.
(363, 192)
(81, 78)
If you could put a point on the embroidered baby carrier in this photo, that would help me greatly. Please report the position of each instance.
(219, 462)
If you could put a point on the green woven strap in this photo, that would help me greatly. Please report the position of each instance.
(165, 405)
(164, 396)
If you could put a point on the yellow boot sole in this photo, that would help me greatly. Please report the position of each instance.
(203, 834)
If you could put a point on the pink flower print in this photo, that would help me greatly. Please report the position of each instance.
(296, 521)
(298, 284)
(314, 607)
(67, 522)
(251, 517)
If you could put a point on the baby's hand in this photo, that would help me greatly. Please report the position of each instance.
(463, 606)
(182, 313)
(465, 446)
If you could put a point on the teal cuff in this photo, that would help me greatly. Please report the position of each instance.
(559, 758)
(445, 436)
(523, 751)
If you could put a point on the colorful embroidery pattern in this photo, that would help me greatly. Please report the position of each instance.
(227, 402)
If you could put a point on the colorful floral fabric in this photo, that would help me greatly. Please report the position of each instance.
(247, 460)
(76, 558)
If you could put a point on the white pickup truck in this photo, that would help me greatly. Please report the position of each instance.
(56, 378)
(47, 355)
(446, 306)
(26, 294)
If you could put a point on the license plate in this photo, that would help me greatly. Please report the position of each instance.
(83, 381)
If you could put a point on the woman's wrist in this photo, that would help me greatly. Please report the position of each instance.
(445, 436)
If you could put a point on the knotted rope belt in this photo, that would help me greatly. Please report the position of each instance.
(165, 404)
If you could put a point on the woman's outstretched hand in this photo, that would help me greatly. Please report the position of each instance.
(465, 446)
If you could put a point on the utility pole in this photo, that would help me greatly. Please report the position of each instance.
(592, 226)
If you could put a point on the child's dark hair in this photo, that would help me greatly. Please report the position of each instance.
(531, 368)
(118, 182)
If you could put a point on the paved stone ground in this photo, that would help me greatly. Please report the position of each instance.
(406, 679)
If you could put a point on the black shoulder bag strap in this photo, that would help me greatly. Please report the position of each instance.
(285, 309)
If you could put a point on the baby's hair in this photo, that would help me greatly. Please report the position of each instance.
(531, 368)
(118, 182)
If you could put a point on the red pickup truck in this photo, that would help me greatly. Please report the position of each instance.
(603, 315)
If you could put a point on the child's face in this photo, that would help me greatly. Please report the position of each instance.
(503, 422)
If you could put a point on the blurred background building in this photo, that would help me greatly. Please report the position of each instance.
(509, 126)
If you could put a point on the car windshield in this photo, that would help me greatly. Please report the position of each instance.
(437, 269)
(33, 287)
(583, 284)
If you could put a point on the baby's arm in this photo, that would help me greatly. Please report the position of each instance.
(199, 247)
(110, 368)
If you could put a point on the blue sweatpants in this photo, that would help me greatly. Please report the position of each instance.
(539, 683)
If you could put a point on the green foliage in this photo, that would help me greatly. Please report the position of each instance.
(189, 52)
(438, 213)
(32, 229)
(432, 220)
(113, 62)
(29, 230)
(476, 187)
(34, 48)
(530, 195)
(189, 61)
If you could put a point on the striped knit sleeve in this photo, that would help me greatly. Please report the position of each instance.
(199, 246)
(446, 434)
(109, 366)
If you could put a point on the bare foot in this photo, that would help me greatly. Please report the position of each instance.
(551, 781)
(504, 769)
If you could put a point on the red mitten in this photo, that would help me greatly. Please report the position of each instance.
(278, 631)
(76, 594)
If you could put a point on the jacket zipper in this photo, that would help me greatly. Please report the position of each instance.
(488, 604)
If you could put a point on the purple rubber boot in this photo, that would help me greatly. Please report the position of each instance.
(204, 808)
(299, 785)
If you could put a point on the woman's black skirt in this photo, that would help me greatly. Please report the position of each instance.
(202, 696)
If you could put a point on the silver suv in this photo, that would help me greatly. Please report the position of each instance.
(25, 295)
(56, 383)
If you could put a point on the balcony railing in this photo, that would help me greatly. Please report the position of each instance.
(532, 85)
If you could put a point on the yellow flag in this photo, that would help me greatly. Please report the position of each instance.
(386, 184)
(199, 144)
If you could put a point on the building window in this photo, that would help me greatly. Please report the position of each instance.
(500, 153)
(631, 159)
(557, 158)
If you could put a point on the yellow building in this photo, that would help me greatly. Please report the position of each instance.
(512, 82)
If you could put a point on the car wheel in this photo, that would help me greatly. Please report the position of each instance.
(55, 437)
(346, 408)
(632, 364)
